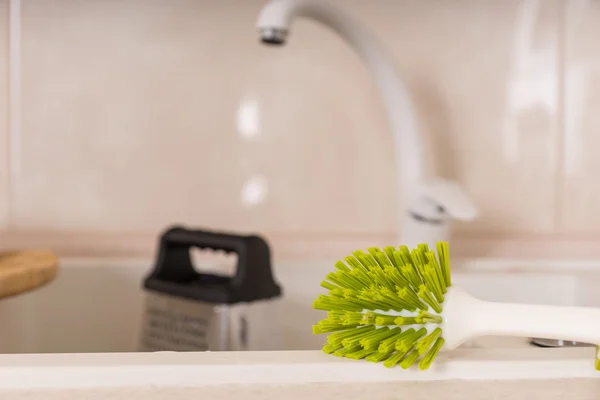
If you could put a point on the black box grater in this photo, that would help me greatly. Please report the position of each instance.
(191, 311)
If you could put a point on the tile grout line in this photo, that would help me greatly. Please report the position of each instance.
(14, 106)
(559, 170)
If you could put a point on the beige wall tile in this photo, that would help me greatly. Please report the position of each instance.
(4, 97)
(580, 192)
(139, 114)
(485, 80)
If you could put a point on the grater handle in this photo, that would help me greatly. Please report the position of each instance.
(252, 280)
(206, 240)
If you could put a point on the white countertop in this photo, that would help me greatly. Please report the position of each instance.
(202, 369)
(571, 389)
(469, 373)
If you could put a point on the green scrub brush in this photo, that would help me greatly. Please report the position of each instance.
(398, 306)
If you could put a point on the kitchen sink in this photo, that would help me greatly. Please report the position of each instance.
(83, 328)
(95, 305)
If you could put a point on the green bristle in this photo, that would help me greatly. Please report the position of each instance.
(347, 280)
(389, 344)
(328, 326)
(341, 266)
(372, 250)
(430, 356)
(364, 300)
(398, 260)
(364, 334)
(354, 263)
(351, 318)
(362, 276)
(389, 252)
(418, 258)
(597, 358)
(365, 259)
(372, 342)
(409, 341)
(411, 275)
(346, 350)
(428, 281)
(382, 259)
(327, 303)
(367, 289)
(424, 344)
(357, 263)
(336, 316)
(385, 320)
(362, 280)
(374, 294)
(429, 299)
(316, 329)
(372, 261)
(393, 360)
(434, 283)
(419, 265)
(388, 296)
(333, 278)
(444, 257)
(405, 306)
(369, 299)
(360, 354)
(432, 260)
(369, 318)
(405, 321)
(379, 356)
(330, 348)
(409, 360)
(328, 285)
(380, 278)
(338, 279)
(337, 337)
(405, 254)
(402, 353)
(369, 260)
(396, 277)
(409, 297)
(428, 318)
(359, 271)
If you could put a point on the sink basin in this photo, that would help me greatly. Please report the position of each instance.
(95, 305)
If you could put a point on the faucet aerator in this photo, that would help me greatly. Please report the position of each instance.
(273, 36)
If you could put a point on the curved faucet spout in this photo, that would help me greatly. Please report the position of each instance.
(429, 202)
(409, 154)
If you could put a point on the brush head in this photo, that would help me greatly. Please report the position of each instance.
(385, 305)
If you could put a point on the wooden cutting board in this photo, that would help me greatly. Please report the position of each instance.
(25, 270)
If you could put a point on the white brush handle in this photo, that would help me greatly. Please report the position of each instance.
(467, 317)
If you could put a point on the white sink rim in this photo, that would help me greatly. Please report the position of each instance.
(171, 369)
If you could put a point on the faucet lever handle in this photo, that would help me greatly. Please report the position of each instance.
(452, 197)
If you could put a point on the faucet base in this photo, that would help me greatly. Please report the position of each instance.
(541, 342)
